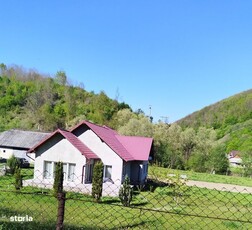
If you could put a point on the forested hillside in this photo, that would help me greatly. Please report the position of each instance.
(231, 118)
(33, 101)
(230, 111)
(30, 100)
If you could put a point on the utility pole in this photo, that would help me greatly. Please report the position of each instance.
(151, 118)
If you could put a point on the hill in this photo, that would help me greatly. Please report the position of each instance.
(30, 100)
(231, 118)
(235, 109)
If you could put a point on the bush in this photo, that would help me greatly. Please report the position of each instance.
(18, 179)
(12, 163)
(97, 181)
(126, 192)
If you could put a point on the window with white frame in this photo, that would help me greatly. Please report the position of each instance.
(48, 170)
(68, 170)
(65, 171)
(71, 172)
(107, 171)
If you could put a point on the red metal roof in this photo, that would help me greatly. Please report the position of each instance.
(128, 148)
(88, 153)
(138, 147)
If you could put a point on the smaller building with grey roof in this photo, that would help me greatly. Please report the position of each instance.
(18, 142)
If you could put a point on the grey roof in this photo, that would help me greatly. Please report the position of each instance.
(21, 139)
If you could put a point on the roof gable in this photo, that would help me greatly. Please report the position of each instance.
(128, 148)
(89, 154)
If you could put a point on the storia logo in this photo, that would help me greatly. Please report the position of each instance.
(25, 218)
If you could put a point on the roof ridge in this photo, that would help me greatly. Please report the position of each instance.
(108, 135)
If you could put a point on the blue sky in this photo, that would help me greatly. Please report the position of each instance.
(177, 56)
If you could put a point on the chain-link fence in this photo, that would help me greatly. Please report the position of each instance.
(157, 205)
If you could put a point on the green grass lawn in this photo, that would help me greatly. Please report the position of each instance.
(162, 173)
(167, 207)
(194, 209)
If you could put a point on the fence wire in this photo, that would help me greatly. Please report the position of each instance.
(156, 205)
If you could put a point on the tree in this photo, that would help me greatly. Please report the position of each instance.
(205, 140)
(167, 145)
(139, 126)
(61, 78)
(126, 192)
(218, 161)
(3, 68)
(97, 181)
(197, 162)
(247, 163)
(188, 142)
(58, 179)
(122, 117)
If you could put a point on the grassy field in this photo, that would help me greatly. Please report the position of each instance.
(162, 173)
(167, 207)
(194, 209)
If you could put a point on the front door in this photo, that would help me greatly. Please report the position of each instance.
(135, 171)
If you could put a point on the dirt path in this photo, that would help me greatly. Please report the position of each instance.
(220, 187)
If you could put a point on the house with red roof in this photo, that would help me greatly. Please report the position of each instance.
(81, 147)
(235, 159)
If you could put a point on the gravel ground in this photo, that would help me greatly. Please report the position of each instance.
(220, 187)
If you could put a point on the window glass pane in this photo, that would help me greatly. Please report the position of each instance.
(65, 170)
(54, 168)
(48, 170)
(71, 172)
(108, 171)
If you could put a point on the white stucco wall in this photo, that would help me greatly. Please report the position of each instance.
(6, 153)
(105, 153)
(59, 151)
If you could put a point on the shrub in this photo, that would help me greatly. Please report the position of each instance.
(97, 181)
(12, 163)
(18, 178)
(126, 192)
